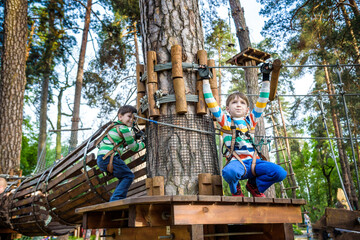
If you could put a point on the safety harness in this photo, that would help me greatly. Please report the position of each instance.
(232, 146)
(115, 149)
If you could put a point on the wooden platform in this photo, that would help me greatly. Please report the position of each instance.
(157, 212)
(248, 54)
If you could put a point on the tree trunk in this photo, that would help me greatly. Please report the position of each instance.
(344, 162)
(79, 79)
(287, 147)
(58, 126)
(251, 78)
(176, 154)
(136, 44)
(12, 84)
(48, 59)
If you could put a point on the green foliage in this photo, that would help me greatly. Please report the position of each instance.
(29, 146)
(297, 230)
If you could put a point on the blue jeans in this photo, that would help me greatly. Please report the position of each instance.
(121, 171)
(267, 173)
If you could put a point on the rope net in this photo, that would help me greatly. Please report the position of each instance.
(179, 152)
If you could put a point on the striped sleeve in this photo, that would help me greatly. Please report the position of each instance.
(213, 105)
(129, 139)
(260, 104)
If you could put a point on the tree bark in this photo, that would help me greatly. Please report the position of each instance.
(79, 79)
(251, 78)
(164, 24)
(12, 84)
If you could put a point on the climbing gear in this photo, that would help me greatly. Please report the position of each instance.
(238, 193)
(204, 72)
(233, 133)
(253, 189)
(115, 149)
(232, 145)
(266, 68)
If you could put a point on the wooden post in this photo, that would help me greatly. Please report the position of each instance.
(141, 89)
(152, 84)
(201, 106)
(274, 79)
(216, 185)
(205, 186)
(149, 186)
(213, 82)
(158, 186)
(178, 80)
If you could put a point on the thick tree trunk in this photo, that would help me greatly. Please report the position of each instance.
(79, 79)
(12, 84)
(251, 78)
(176, 153)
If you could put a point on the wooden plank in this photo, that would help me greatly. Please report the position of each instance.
(85, 200)
(136, 162)
(150, 233)
(282, 200)
(298, 201)
(263, 200)
(235, 214)
(232, 199)
(184, 198)
(342, 218)
(75, 192)
(59, 190)
(197, 232)
(97, 220)
(140, 173)
(70, 172)
(136, 190)
(25, 201)
(248, 199)
(208, 198)
(149, 215)
(24, 210)
(121, 204)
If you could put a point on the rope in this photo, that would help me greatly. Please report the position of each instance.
(320, 102)
(176, 126)
(195, 66)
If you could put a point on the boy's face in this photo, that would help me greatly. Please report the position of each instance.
(237, 108)
(127, 119)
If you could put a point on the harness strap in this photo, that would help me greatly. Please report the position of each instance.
(233, 153)
(238, 158)
(115, 149)
(104, 134)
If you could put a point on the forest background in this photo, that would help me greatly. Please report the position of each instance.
(61, 53)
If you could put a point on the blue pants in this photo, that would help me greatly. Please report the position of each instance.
(121, 171)
(267, 173)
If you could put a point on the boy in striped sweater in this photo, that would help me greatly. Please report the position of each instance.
(240, 152)
(111, 148)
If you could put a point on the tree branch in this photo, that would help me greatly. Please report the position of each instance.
(296, 12)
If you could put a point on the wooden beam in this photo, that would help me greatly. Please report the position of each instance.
(150, 233)
(342, 218)
(149, 215)
(235, 214)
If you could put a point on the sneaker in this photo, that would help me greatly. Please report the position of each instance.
(253, 189)
(238, 191)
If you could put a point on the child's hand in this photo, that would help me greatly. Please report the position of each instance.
(266, 68)
(204, 72)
